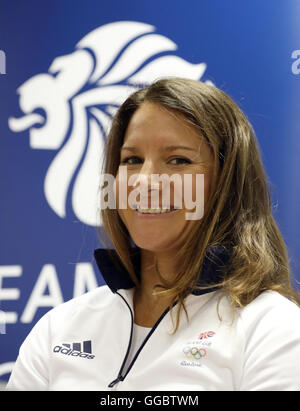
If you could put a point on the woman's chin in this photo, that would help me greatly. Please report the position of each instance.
(156, 244)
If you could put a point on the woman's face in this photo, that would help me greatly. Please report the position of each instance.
(157, 142)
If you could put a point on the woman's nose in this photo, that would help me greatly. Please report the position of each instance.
(147, 182)
(148, 169)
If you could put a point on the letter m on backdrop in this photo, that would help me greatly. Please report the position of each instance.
(2, 322)
(2, 62)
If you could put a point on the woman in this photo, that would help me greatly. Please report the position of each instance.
(190, 303)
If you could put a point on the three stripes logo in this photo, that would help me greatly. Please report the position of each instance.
(76, 349)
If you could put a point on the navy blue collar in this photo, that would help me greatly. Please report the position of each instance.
(116, 276)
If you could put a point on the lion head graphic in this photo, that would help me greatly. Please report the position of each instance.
(69, 109)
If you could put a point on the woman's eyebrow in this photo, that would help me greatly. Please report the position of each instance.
(168, 148)
(129, 148)
(173, 148)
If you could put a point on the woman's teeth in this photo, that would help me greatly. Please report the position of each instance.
(154, 210)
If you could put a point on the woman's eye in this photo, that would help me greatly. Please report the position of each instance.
(137, 160)
(131, 160)
(180, 160)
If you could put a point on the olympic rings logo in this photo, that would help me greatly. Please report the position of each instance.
(194, 352)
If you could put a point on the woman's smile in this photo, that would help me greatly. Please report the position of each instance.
(151, 213)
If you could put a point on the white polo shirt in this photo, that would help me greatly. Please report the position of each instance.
(84, 344)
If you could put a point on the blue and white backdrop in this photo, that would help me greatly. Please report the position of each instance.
(65, 66)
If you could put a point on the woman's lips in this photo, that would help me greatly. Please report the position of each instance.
(155, 214)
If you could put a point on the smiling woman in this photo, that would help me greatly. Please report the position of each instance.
(186, 127)
(227, 270)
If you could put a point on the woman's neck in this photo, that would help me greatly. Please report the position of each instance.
(149, 307)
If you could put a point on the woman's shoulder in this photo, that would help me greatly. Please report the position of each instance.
(95, 299)
(271, 334)
(271, 300)
(271, 312)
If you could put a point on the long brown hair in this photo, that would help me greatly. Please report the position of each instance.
(239, 209)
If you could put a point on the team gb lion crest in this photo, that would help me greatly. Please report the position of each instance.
(79, 95)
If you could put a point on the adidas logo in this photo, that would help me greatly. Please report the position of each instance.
(74, 349)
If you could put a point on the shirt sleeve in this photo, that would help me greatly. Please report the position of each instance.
(31, 370)
(272, 347)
